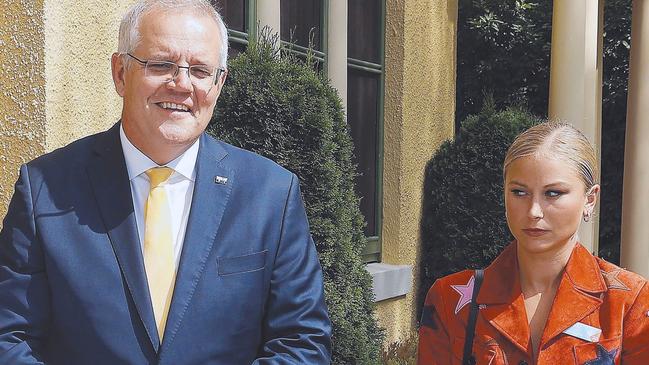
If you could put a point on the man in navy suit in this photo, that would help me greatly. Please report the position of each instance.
(152, 243)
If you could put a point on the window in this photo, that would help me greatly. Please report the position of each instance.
(239, 17)
(302, 21)
(365, 110)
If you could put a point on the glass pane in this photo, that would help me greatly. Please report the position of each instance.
(300, 17)
(233, 13)
(364, 30)
(362, 115)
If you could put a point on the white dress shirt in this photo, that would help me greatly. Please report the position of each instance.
(179, 188)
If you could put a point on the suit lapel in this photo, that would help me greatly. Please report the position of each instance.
(501, 294)
(212, 189)
(109, 180)
(577, 295)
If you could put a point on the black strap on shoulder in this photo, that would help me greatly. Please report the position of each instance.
(467, 357)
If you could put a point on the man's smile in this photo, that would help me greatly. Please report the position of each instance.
(174, 106)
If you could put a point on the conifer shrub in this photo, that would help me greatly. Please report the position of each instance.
(463, 220)
(280, 107)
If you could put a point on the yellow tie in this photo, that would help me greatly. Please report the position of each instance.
(158, 247)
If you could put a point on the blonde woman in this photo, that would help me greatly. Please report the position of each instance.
(545, 299)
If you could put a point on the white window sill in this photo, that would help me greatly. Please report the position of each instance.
(389, 281)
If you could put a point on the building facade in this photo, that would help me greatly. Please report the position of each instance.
(393, 64)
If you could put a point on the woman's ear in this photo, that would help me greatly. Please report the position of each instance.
(591, 200)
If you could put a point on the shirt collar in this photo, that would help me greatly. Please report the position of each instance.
(138, 163)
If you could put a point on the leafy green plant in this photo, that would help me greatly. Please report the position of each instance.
(503, 51)
(279, 107)
(463, 221)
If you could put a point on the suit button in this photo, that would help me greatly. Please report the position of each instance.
(523, 362)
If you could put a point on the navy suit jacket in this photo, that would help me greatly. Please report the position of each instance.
(73, 287)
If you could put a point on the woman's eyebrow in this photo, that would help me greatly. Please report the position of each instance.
(556, 183)
(515, 182)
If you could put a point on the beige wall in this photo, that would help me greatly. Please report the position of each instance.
(56, 77)
(420, 62)
(80, 37)
(22, 76)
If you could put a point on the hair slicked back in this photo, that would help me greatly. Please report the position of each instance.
(557, 140)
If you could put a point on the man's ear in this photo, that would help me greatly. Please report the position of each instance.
(220, 82)
(118, 68)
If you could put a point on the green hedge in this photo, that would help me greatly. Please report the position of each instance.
(463, 222)
(281, 108)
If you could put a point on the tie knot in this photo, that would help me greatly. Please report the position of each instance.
(158, 175)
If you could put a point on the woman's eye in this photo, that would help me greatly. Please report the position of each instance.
(518, 192)
(553, 193)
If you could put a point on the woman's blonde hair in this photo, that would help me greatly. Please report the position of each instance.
(557, 140)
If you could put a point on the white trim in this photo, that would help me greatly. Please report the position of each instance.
(268, 14)
(337, 48)
(389, 281)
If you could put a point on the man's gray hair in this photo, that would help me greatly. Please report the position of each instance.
(129, 32)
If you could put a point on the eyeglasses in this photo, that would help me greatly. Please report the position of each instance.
(202, 77)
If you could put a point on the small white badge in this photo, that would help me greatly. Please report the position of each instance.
(584, 332)
(220, 180)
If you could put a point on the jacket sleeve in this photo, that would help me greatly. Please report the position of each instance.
(635, 341)
(24, 293)
(296, 328)
(434, 341)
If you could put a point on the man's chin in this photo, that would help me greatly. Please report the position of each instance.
(178, 135)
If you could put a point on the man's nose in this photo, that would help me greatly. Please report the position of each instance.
(182, 80)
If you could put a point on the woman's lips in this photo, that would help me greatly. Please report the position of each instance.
(535, 232)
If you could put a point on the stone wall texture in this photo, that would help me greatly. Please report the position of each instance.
(420, 58)
(22, 95)
(80, 37)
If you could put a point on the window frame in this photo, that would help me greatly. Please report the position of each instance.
(372, 252)
(301, 51)
(243, 38)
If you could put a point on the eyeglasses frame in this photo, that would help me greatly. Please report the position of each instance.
(217, 73)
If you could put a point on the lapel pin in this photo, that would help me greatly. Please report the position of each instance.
(220, 180)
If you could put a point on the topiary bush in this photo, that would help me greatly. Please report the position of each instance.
(463, 220)
(279, 107)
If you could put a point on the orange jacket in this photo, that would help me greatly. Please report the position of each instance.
(593, 294)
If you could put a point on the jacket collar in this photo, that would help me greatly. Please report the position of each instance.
(110, 183)
(577, 296)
